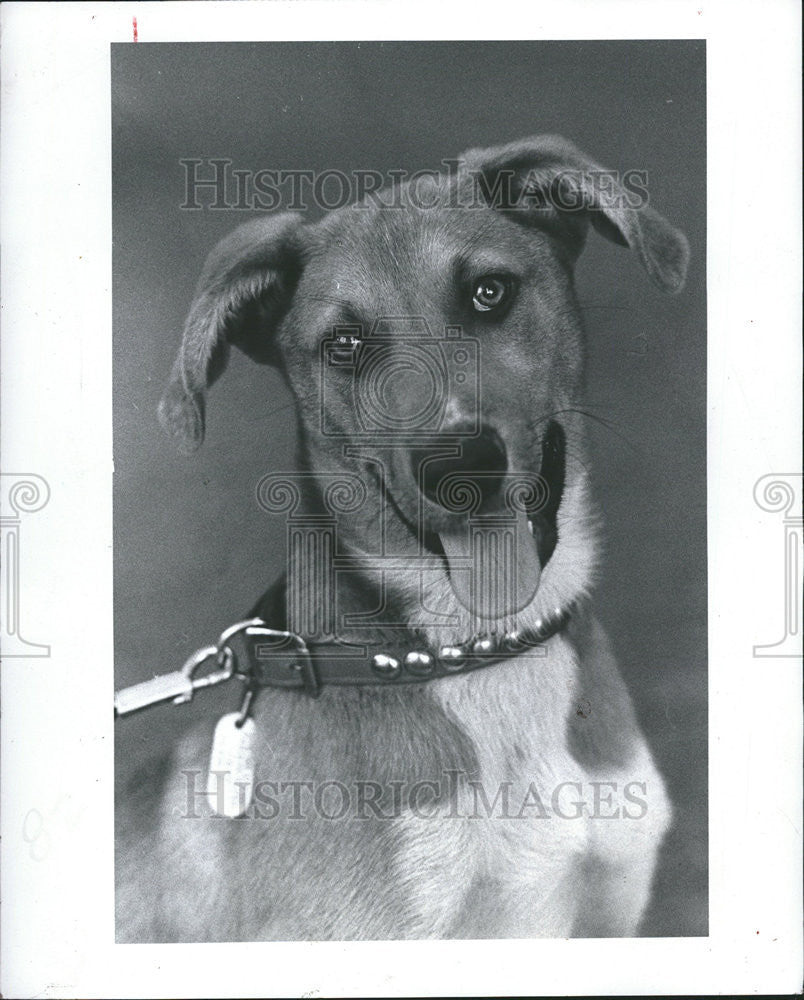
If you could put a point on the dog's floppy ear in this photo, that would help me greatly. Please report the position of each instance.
(245, 287)
(546, 179)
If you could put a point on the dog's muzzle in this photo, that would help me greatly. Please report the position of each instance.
(497, 526)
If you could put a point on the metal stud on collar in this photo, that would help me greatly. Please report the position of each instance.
(420, 664)
(452, 657)
(386, 667)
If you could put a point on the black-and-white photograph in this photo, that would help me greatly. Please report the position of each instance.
(400, 499)
(421, 564)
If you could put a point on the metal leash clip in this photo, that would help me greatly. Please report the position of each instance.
(180, 685)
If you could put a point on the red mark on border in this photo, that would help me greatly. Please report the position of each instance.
(134, 23)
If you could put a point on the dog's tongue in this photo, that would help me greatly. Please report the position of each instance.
(494, 565)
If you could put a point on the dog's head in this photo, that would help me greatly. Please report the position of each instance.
(432, 341)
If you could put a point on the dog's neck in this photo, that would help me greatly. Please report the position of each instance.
(399, 660)
(389, 609)
(359, 599)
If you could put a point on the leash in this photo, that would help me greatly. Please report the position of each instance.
(260, 656)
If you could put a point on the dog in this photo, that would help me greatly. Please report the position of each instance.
(499, 791)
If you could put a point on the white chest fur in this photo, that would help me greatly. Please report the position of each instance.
(534, 838)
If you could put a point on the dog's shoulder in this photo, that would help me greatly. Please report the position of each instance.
(602, 727)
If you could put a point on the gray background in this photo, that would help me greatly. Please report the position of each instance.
(193, 550)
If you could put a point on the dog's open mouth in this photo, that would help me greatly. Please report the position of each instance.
(495, 556)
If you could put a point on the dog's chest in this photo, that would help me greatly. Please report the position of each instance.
(498, 851)
(503, 853)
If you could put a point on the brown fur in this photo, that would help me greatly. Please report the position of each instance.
(274, 288)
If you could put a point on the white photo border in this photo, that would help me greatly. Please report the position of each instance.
(58, 927)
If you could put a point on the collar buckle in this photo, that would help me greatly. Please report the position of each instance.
(275, 657)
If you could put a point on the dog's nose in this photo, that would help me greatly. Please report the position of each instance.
(483, 462)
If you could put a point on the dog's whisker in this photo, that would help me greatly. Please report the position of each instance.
(609, 425)
(608, 306)
(333, 300)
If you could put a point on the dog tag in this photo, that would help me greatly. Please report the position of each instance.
(231, 766)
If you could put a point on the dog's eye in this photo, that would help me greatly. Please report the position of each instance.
(490, 292)
(343, 349)
(347, 341)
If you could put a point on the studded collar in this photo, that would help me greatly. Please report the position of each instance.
(262, 656)
(286, 660)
